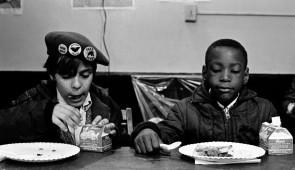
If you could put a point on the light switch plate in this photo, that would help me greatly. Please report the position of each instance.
(190, 12)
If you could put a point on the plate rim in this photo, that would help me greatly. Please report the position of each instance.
(210, 158)
(75, 151)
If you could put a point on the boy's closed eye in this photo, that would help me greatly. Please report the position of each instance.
(66, 76)
(235, 72)
(236, 69)
(216, 69)
(86, 73)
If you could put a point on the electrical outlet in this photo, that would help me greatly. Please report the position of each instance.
(190, 12)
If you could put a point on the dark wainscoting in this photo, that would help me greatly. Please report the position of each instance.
(13, 83)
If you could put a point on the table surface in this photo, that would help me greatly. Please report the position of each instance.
(127, 158)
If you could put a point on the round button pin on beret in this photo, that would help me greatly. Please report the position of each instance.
(89, 53)
(62, 49)
(75, 49)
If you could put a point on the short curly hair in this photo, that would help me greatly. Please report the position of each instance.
(226, 43)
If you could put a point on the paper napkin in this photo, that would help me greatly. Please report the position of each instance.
(203, 162)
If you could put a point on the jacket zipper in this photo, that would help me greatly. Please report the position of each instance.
(227, 123)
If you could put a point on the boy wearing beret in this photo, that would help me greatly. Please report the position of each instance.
(221, 109)
(55, 110)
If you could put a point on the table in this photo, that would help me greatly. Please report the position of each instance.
(126, 158)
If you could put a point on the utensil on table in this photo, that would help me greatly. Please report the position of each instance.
(170, 146)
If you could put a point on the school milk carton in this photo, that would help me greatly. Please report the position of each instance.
(275, 140)
(94, 138)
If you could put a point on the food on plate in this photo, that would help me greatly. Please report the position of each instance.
(214, 151)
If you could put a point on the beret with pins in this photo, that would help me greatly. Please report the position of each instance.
(74, 45)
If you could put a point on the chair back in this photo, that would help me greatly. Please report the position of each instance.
(127, 120)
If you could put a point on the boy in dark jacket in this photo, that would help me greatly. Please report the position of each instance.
(221, 109)
(55, 110)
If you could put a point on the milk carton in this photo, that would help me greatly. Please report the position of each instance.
(275, 140)
(94, 138)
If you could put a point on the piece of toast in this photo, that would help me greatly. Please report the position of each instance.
(214, 151)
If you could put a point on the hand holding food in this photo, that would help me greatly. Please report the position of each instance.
(109, 127)
(64, 115)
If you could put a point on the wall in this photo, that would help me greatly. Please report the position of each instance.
(153, 37)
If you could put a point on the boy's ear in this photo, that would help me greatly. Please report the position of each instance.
(204, 72)
(246, 77)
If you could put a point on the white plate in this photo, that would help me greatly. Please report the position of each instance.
(240, 151)
(38, 151)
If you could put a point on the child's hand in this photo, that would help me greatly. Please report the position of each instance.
(64, 115)
(105, 122)
(148, 141)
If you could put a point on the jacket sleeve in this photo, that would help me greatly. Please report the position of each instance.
(144, 125)
(26, 121)
(172, 127)
(169, 130)
(267, 110)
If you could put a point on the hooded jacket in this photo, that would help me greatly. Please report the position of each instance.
(199, 119)
(28, 119)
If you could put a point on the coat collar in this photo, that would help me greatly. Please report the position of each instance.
(98, 96)
(201, 94)
(98, 107)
